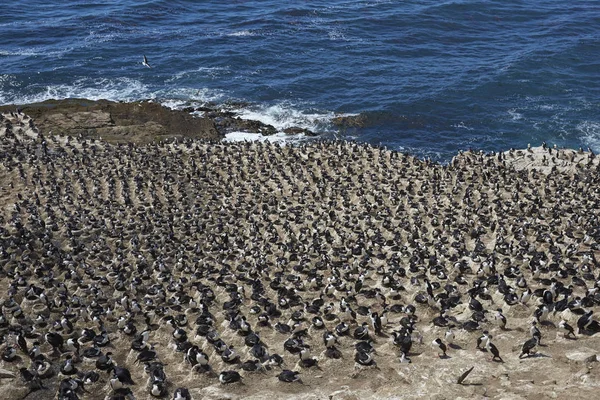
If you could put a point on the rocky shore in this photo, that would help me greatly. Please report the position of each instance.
(194, 262)
(142, 122)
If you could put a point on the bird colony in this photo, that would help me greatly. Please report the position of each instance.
(189, 269)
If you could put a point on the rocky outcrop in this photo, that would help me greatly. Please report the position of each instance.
(233, 124)
(296, 130)
(140, 122)
(227, 121)
(350, 121)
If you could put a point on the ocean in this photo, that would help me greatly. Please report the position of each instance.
(429, 77)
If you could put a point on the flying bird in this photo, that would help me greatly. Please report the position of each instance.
(145, 62)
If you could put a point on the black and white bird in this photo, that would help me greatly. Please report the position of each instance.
(403, 340)
(529, 346)
(90, 377)
(289, 376)
(275, 360)
(182, 394)
(102, 339)
(525, 296)
(43, 367)
(441, 346)
(146, 355)
(329, 339)
(362, 332)
(482, 340)
(541, 313)
(67, 368)
(584, 321)
(404, 358)
(35, 350)
(55, 340)
(158, 389)
(105, 362)
(230, 355)
(449, 336)
(500, 319)
(252, 366)
(317, 322)
(196, 357)
(364, 358)
(566, 329)
(376, 322)
(226, 377)
(535, 332)
(69, 388)
(342, 329)
(145, 62)
(9, 354)
(474, 304)
(121, 377)
(72, 346)
(306, 360)
(494, 350)
(22, 343)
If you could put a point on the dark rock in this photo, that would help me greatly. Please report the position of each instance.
(296, 130)
(205, 109)
(350, 121)
(226, 123)
(140, 122)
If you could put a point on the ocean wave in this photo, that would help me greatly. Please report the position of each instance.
(241, 33)
(98, 36)
(116, 89)
(281, 116)
(462, 125)
(288, 114)
(35, 52)
(337, 34)
(198, 73)
(177, 99)
(514, 115)
(590, 134)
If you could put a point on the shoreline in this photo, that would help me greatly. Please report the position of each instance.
(147, 121)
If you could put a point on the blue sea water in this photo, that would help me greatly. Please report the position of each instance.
(426, 76)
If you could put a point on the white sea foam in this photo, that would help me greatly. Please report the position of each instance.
(95, 37)
(549, 107)
(35, 52)
(117, 89)
(282, 115)
(462, 125)
(213, 72)
(590, 134)
(514, 115)
(241, 33)
(286, 115)
(336, 34)
(184, 97)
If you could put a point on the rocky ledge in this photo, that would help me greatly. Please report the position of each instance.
(139, 122)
